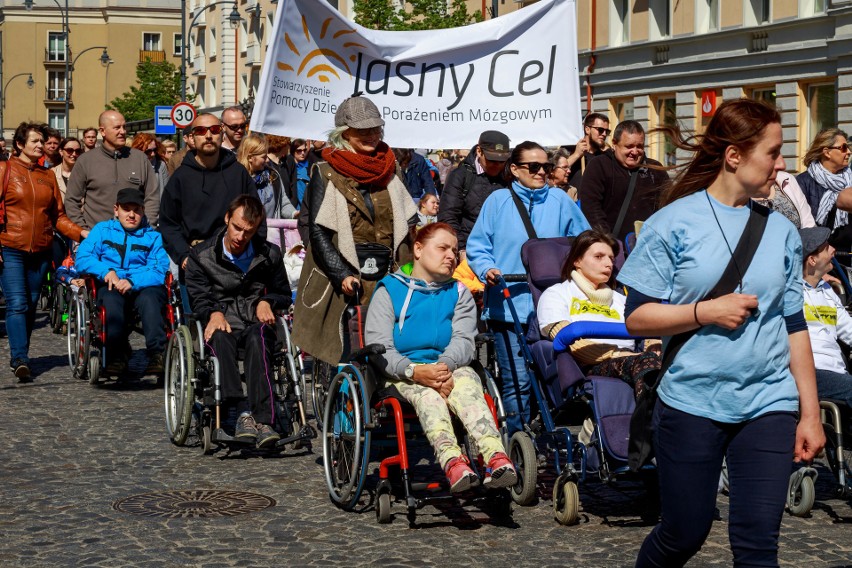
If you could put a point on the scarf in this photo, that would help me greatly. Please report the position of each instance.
(833, 184)
(375, 170)
(602, 296)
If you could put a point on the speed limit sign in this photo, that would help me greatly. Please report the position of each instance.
(183, 114)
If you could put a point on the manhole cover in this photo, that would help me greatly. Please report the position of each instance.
(193, 503)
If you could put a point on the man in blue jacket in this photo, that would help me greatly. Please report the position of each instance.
(127, 257)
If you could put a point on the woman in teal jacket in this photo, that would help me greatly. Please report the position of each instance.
(494, 248)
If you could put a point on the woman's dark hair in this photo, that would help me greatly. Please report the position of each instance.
(428, 231)
(22, 132)
(515, 158)
(296, 142)
(581, 244)
(739, 122)
(253, 211)
(66, 141)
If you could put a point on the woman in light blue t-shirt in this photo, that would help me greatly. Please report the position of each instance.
(743, 386)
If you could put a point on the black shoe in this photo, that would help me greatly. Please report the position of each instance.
(22, 371)
(155, 364)
(116, 368)
(246, 428)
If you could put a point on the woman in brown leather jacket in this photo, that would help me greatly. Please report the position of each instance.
(31, 209)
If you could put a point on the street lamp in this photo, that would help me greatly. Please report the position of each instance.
(30, 84)
(66, 31)
(234, 20)
(105, 61)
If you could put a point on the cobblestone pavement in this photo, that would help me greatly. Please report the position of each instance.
(69, 451)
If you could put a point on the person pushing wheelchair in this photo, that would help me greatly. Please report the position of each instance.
(235, 281)
(126, 256)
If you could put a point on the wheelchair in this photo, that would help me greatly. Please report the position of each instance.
(361, 417)
(193, 395)
(86, 328)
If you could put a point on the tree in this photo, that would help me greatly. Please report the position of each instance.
(414, 14)
(156, 84)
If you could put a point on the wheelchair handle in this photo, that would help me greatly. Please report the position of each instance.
(362, 354)
(514, 277)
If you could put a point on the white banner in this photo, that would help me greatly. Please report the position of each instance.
(435, 89)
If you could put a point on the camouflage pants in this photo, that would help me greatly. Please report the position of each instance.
(467, 403)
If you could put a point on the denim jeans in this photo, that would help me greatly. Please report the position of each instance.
(21, 276)
(514, 380)
(834, 385)
(759, 454)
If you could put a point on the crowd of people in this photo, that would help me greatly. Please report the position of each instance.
(393, 234)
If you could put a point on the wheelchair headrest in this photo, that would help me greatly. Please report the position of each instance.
(543, 260)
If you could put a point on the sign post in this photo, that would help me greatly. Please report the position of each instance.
(182, 114)
(163, 120)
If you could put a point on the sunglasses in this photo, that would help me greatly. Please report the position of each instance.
(842, 147)
(237, 127)
(215, 130)
(602, 130)
(151, 151)
(75, 151)
(300, 150)
(535, 167)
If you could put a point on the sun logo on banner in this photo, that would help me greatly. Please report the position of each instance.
(320, 68)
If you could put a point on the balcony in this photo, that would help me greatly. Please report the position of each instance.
(199, 65)
(53, 57)
(54, 96)
(153, 56)
(254, 55)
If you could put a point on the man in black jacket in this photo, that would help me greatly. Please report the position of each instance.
(472, 182)
(605, 184)
(235, 280)
(198, 193)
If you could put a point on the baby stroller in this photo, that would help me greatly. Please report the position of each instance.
(557, 381)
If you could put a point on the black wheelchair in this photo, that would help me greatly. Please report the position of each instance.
(361, 417)
(86, 327)
(193, 394)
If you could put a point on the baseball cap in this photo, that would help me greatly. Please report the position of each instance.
(813, 238)
(495, 146)
(358, 112)
(130, 195)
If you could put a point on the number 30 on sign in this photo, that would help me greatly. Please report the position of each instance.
(183, 114)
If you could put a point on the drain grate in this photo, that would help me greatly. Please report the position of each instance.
(193, 503)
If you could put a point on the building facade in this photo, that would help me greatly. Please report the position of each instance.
(33, 42)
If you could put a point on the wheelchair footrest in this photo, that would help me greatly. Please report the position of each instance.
(306, 433)
(222, 437)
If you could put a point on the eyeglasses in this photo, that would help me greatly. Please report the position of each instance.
(75, 151)
(602, 130)
(237, 127)
(368, 131)
(300, 150)
(535, 167)
(215, 130)
(842, 147)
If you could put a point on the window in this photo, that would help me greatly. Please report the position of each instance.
(757, 12)
(211, 100)
(766, 95)
(56, 85)
(707, 16)
(822, 108)
(177, 48)
(660, 19)
(55, 46)
(620, 22)
(56, 119)
(811, 7)
(151, 42)
(212, 45)
(623, 109)
(666, 109)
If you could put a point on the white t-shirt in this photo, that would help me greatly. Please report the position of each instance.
(566, 302)
(827, 321)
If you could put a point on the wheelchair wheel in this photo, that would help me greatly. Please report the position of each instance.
(206, 440)
(494, 391)
(321, 376)
(178, 393)
(838, 462)
(800, 499)
(94, 368)
(57, 308)
(78, 335)
(346, 442)
(566, 501)
(522, 454)
(383, 508)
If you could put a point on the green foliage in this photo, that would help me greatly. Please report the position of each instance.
(416, 15)
(156, 84)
